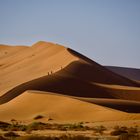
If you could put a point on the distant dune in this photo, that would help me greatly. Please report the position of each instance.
(131, 73)
(76, 87)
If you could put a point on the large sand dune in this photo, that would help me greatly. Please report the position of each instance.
(53, 68)
(32, 63)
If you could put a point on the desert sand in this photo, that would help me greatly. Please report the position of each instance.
(54, 81)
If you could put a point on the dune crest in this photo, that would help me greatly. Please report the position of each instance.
(73, 79)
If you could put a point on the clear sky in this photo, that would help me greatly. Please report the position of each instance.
(107, 31)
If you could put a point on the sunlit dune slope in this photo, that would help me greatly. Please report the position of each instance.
(60, 108)
(6, 51)
(77, 88)
(31, 63)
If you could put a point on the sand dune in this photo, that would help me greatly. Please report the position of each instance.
(66, 84)
(30, 104)
(98, 73)
(131, 73)
(81, 82)
(44, 57)
(32, 63)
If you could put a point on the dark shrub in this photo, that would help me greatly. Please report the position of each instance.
(2, 138)
(129, 137)
(38, 117)
(63, 137)
(36, 126)
(4, 125)
(118, 132)
(99, 129)
(132, 130)
(11, 134)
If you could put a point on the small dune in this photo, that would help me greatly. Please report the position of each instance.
(59, 108)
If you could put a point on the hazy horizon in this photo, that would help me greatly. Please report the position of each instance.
(106, 31)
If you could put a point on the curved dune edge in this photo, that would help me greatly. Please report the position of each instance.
(55, 69)
(30, 63)
(45, 57)
(60, 108)
(118, 104)
(66, 83)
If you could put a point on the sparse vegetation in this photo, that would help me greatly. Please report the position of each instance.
(2, 138)
(118, 131)
(37, 126)
(125, 133)
(126, 136)
(121, 133)
(38, 117)
(4, 125)
(11, 134)
(44, 126)
(99, 129)
(64, 127)
(63, 137)
(50, 119)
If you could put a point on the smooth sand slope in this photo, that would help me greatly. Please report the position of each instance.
(53, 68)
(60, 108)
(131, 73)
(32, 63)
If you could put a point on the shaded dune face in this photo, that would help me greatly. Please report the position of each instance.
(122, 105)
(58, 84)
(95, 72)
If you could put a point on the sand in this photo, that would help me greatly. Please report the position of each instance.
(58, 107)
(52, 80)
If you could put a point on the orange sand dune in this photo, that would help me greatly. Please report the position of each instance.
(61, 82)
(53, 68)
(60, 108)
(32, 63)
(43, 58)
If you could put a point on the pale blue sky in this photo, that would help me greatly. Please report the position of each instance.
(108, 31)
